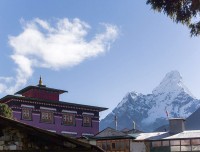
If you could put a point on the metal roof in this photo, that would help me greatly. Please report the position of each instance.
(149, 136)
(185, 134)
(40, 87)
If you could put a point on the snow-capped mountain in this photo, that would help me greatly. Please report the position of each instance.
(171, 97)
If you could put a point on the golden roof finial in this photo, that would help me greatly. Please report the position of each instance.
(40, 81)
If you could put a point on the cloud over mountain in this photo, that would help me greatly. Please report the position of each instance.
(55, 45)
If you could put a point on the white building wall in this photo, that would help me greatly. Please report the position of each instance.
(137, 147)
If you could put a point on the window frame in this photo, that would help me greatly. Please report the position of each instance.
(28, 118)
(51, 113)
(85, 119)
(72, 123)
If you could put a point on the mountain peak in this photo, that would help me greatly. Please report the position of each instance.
(149, 111)
(172, 83)
(132, 95)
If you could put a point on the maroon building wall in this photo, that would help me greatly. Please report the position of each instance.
(41, 94)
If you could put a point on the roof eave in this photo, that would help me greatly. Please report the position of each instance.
(42, 88)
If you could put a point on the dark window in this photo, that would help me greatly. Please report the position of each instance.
(87, 121)
(108, 146)
(47, 116)
(68, 119)
(104, 146)
(113, 145)
(26, 113)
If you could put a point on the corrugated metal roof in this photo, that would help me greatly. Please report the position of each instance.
(185, 134)
(166, 135)
(149, 136)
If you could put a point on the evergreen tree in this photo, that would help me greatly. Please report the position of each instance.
(5, 111)
(186, 12)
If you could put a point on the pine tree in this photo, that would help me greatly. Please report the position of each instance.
(186, 12)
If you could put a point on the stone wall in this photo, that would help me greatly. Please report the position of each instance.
(12, 139)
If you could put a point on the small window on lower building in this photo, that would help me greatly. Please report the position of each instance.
(26, 113)
(87, 121)
(47, 116)
(68, 119)
(156, 143)
(113, 146)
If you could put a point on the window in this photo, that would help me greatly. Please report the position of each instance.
(165, 143)
(175, 148)
(86, 121)
(196, 148)
(195, 141)
(185, 142)
(26, 113)
(113, 146)
(108, 146)
(68, 119)
(104, 146)
(47, 116)
(156, 143)
(186, 148)
(175, 142)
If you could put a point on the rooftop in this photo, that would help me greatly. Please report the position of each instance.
(40, 87)
(9, 97)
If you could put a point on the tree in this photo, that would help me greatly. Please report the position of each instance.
(180, 11)
(5, 111)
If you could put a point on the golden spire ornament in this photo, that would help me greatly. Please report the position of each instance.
(40, 81)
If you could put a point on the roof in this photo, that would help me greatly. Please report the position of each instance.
(40, 87)
(166, 135)
(51, 101)
(149, 136)
(162, 128)
(131, 131)
(56, 139)
(185, 134)
(110, 133)
(191, 122)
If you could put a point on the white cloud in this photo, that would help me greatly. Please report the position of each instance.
(57, 45)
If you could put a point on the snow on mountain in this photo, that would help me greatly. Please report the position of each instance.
(131, 94)
(172, 83)
(149, 111)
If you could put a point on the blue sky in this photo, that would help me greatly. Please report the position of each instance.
(120, 46)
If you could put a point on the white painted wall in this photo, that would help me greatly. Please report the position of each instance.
(137, 147)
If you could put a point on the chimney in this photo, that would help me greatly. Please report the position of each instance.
(134, 125)
(115, 122)
(176, 125)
